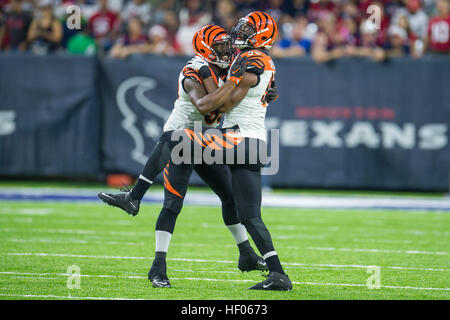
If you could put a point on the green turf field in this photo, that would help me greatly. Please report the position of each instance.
(325, 252)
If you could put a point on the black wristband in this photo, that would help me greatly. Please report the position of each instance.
(205, 72)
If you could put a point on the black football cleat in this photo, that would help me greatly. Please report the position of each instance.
(160, 282)
(275, 281)
(157, 274)
(251, 262)
(122, 201)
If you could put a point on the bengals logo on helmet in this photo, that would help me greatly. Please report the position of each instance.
(256, 30)
(213, 44)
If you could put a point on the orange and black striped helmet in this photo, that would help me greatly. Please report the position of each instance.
(214, 45)
(256, 30)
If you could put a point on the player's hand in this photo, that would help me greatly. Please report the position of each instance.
(201, 66)
(272, 93)
(237, 69)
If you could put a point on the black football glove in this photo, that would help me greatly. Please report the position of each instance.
(237, 69)
(272, 93)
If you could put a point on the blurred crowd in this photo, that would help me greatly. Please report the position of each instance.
(322, 29)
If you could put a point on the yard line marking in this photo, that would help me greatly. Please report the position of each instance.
(439, 253)
(80, 231)
(61, 297)
(365, 285)
(184, 244)
(216, 261)
(228, 280)
(366, 230)
(27, 211)
(76, 241)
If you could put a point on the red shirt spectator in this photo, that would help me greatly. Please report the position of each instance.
(439, 28)
(103, 22)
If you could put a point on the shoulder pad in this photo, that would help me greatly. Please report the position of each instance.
(192, 74)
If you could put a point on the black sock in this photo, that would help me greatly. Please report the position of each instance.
(274, 264)
(159, 266)
(139, 189)
(245, 248)
(160, 255)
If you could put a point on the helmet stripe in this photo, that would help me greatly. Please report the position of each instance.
(205, 30)
(261, 17)
(253, 19)
(267, 19)
(195, 42)
(257, 18)
(211, 31)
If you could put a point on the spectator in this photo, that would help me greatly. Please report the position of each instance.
(17, 22)
(137, 9)
(320, 9)
(225, 14)
(368, 46)
(297, 43)
(159, 43)
(103, 26)
(82, 43)
(246, 6)
(438, 40)
(323, 51)
(397, 45)
(192, 17)
(171, 25)
(417, 18)
(45, 32)
(134, 41)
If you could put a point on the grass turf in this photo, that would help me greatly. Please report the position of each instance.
(325, 252)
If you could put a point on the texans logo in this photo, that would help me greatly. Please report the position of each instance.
(131, 97)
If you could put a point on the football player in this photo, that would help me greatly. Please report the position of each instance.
(242, 99)
(202, 75)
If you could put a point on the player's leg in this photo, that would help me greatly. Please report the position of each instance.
(176, 179)
(218, 178)
(246, 183)
(129, 201)
(155, 164)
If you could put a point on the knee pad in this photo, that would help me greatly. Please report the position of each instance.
(259, 233)
(166, 220)
(174, 204)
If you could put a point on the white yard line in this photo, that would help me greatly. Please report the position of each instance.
(61, 297)
(56, 241)
(216, 280)
(80, 231)
(439, 253)
(365, 230)
(216, 261)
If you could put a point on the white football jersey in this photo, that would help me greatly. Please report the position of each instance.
(184, 112)
(250, 113)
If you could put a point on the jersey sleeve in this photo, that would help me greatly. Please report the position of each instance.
(255, 66)
(259, 62)
(192, 74)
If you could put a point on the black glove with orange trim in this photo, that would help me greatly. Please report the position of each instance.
(272, 93)
(237, 69)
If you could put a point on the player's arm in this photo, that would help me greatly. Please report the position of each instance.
(239, 93)
(206, 103)
(210, 85)
(196, 92)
